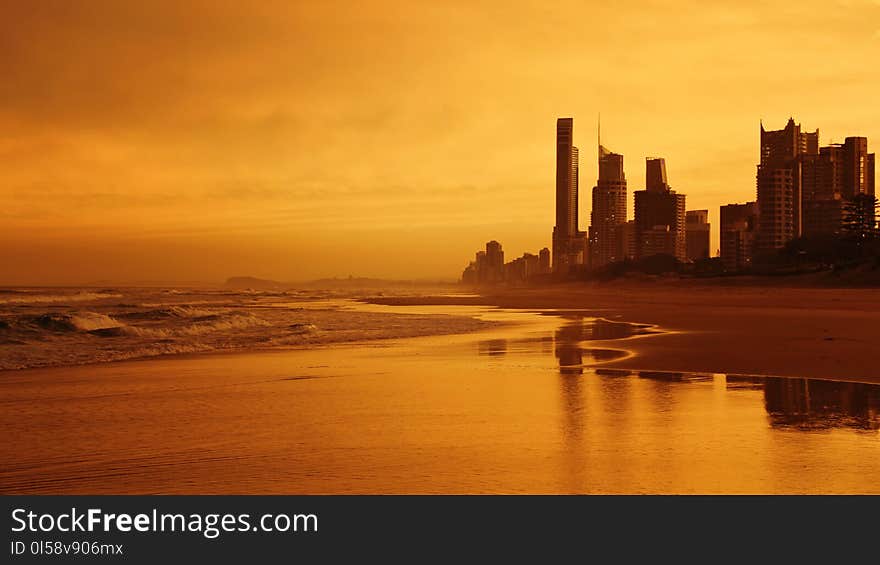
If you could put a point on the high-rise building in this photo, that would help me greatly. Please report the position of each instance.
(738, 228)
(779, 215)
(697, 234)
(779, 183)
(544, 261)
(659, 215)
(830, 178)
(655, 175)
(494, 263)
(858, 167)
(608, 215)
(629, 240)
(480, 267)
(821, 191)
(569, 244)
(489, 268)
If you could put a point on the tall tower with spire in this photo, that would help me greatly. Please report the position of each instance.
(608, 215)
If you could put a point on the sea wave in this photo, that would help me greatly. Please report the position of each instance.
(79, 321)
(155, 324)
(149, 322)
(208, 324)
(169, 312)
(26, 297)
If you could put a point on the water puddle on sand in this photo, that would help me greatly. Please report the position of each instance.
(790, 402)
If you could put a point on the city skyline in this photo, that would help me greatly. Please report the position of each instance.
(568, 203)
(803, 192)
(203, 143)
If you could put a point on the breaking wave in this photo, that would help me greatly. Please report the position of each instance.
(205, 325)
(169, 312)
(80, 321)
(27, 297)
(62, 329)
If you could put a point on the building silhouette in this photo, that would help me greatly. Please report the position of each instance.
(801, 188)
(655, 175)
(522, 268)
(493, 271)
(738, 230)
(569, 244)
(659, 215)
(779, 183)
(629, 240)
(697, 234)
(607, 237)
(527, 266)
(858, 167)
(544, 261)
(489, 268)
(822, 192)
(830, 177)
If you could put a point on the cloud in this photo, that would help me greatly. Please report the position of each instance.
(201, 117)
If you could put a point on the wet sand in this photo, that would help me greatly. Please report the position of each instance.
(797, 332)
(520, 407)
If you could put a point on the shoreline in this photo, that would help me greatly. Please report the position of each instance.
(816, 333)
(466, 324)
(820, 333)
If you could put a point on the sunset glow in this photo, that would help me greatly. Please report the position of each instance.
(188, 141)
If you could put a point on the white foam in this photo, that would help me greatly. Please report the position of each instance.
(26, 298)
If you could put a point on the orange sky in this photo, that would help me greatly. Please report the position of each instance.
(199, 140)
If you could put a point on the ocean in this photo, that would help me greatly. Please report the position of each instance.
(43, 327)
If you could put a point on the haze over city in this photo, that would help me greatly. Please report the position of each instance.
(193, 142)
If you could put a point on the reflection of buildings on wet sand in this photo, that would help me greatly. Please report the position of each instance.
(492, 347)
(571, 359)
(789, 402)
(810, 403)
(568, 342)
(567, 347)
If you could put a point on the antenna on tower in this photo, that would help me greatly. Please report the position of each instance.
(599, 134)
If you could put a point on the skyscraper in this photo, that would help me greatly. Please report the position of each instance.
(697, 234)
(779, 183)
(544, 261)
(629, 240)
(655, 175)
(858, 167)
(494, 261)
(568, 243)
(608, 215)
(835, 174)
(738, 225)
(822, 192)
(660, 215)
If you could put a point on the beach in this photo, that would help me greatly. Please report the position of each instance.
(536, 398)
(828, 333)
